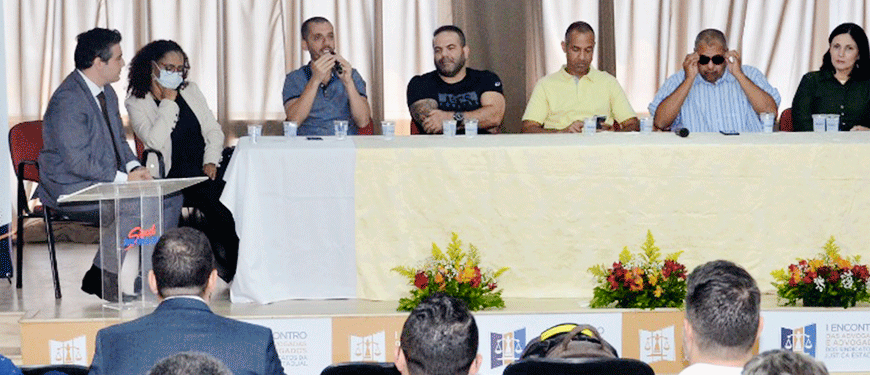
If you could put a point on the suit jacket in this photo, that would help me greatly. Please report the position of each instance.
(77, 146)
(184, 324)
(154, 124)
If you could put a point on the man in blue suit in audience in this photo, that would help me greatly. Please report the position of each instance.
(184, 277)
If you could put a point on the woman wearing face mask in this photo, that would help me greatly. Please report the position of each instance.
(170, 114)
(841, 86)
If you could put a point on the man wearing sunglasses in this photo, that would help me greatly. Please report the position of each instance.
(714, 91)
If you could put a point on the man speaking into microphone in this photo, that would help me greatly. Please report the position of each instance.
(327, 88)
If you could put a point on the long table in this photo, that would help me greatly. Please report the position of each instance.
(547, 206)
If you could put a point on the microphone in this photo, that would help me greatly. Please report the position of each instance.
(682, 132)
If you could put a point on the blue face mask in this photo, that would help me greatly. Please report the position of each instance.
(169, 80)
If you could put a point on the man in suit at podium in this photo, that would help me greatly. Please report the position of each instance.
(84, 144)
(184, 277)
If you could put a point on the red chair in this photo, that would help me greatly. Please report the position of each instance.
(368, 130)
(785, 124)
(25, 142)
(142, 153)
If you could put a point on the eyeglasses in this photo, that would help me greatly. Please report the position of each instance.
(173, 68)
(704, 60)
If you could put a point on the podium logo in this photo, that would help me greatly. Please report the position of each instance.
(371, 348)
(139, 237)
(71, 352)
(658, 345)
(801, 339)
(507, 347)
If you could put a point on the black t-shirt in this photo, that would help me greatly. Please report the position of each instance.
(461, 96)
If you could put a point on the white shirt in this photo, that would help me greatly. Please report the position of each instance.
(710, 369)
(96, 90)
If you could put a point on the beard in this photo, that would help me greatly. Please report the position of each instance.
(457, 66)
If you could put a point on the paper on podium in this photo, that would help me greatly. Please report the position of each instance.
(130, 189)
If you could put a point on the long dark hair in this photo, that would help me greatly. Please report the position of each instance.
(139, 79)
(862, 65)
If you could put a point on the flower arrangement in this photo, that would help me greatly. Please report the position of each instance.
(829, 280)
(456, 273)
(640, 280)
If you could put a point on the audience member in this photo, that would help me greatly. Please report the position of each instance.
(723, 319)
(184, 278)
(171, 115)
(714, 91)
(453, 91)
(562, 100)
(439, 338)
(7, 367)
(841, 86)
(190, 363)
(84, 144)
(784, 362)
(327, 88)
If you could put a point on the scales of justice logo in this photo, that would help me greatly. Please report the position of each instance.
(70, 352)
(371, 348)
(507, 347)
(801, 339)
(658, 345)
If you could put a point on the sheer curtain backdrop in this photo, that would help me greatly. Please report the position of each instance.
(239, 51)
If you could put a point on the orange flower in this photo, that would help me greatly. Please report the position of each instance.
(653, 278)
(439, 278)
(842, 263)
(815, 264)
(658, 292)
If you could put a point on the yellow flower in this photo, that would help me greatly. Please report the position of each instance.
(815, 264)
(653, 279)
(842, 263)
(439, 278)
(658, 292)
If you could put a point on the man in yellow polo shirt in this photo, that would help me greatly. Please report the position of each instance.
(562, 100)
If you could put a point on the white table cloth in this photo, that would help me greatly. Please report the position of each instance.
(551, 206)
(293, 203)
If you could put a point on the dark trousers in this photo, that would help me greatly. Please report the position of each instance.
(218, 225)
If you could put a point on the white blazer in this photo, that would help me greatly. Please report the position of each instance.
(153, 124)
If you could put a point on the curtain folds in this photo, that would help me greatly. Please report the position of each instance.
(240, 50)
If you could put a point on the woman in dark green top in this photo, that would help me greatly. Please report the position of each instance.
(842, 84)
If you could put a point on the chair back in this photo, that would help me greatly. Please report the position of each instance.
(785, 124)
(579, 366)
(361, 368)
(140, 148)
(63, 369)
(25, 143)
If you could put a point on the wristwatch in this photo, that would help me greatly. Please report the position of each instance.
(459, 117)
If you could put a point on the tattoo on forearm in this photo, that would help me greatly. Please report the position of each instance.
(421, 109)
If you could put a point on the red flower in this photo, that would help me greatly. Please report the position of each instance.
(475, 281)
(421, 280)
(613, 283)
(833, 277)
(672, 267)
(792, 282)
(860, 271)
(492, 286)
(807, 279)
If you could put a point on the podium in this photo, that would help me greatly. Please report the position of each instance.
(131, 223)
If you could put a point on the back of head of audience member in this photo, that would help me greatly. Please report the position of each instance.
(723, 316)
(784, 362)
(183, 264)
(439, 338)
(190, 363)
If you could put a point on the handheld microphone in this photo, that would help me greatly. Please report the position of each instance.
(337, 68)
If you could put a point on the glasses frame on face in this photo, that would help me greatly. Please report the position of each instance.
(704, 59)
(172, 68)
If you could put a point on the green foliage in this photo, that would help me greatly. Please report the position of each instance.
(640, 280)
(456, 273)
(829, 280)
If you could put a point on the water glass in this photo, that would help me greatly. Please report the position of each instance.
(590, 125)
(449, 128)
(819, 121)
(340, 128)
(470, 127)
(767, 119)
(290, 128)
(388, 128)
(646, 124)
(255, 132)
(832, 123)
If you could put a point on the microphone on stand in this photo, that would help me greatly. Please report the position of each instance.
(682, 132)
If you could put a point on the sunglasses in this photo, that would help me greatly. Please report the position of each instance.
(704, 60)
